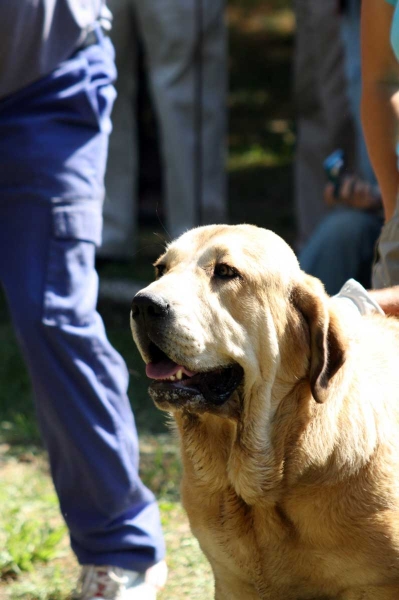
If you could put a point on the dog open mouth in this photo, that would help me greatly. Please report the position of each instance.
(175, 384)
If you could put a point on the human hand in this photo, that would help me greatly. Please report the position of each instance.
(388, 299)
(353, 192)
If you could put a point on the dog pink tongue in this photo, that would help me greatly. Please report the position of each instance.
(165, 369)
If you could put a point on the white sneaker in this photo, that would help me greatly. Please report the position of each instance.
(113, 583)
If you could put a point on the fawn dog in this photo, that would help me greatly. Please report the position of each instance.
(287, 408)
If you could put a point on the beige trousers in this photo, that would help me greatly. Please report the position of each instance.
(386, 266)
(185, 52)
(324, 117)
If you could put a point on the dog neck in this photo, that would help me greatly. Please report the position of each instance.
(222, 453)
(261, 458)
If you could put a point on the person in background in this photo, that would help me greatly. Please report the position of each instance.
(342, 244)
(186, 60)
(380, 118)
(56, 94)
(324, 119)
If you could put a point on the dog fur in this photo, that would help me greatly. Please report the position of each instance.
(291, 485)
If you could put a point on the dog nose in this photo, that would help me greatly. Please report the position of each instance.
(149, 305)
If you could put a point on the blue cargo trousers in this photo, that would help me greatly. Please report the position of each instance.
(53, 148)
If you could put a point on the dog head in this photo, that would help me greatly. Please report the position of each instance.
(230, 311)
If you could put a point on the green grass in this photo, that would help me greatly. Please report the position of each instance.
(36, 562)
(35, 559)
(32, 533)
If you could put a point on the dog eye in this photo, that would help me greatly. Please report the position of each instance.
(159, 271)
(223, 271)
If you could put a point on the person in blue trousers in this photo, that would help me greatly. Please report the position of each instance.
(56, 94)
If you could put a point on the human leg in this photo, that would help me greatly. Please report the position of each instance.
(53, 146)
(185, 43)
(342, 247)
(324, 120)
(351, 38)
(121, 181)
(80, 386)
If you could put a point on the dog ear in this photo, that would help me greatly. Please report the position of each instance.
(327, 343)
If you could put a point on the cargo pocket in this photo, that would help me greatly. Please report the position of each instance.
(71, 286)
